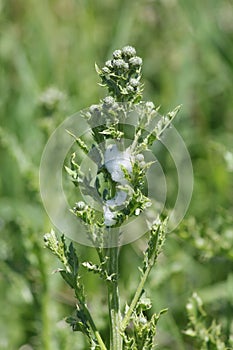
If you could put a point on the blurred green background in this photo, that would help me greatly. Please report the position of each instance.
(47, 55)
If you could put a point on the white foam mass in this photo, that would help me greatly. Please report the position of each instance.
(114, 159)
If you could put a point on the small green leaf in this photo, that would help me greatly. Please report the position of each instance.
(98, 70)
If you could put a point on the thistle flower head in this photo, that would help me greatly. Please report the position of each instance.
(128, 51)
(109, 100)
(117, 54)
(135, 61)
(94, 108)
(119, 63)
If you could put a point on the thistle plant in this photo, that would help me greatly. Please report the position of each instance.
(118, 149)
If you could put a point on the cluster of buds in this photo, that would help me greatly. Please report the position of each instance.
(122, 75)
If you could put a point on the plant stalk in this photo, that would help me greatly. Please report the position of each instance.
(135, 299)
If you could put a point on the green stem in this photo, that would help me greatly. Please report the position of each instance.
(113, 300)
(136, 297)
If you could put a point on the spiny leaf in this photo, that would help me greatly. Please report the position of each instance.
(73, 259)
(155, 244)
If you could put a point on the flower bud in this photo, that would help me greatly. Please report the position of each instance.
(150, 105)
(117, 54)
(94, 108)
(109, 100)
(79, 206)
(135, 61)
(106, 70)
(108, 64)
(129, 51)
(119, 63)
(134, 82)
(130, 88)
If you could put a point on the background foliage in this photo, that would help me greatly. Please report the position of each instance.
(187, 49)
